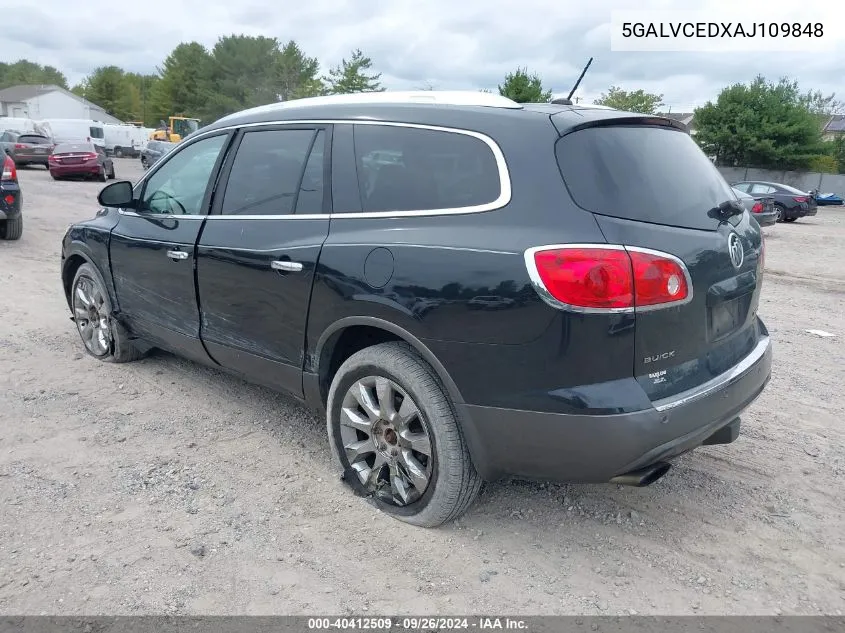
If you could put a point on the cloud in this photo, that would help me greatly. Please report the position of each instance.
(451, 45)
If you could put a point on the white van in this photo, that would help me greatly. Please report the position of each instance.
(16, 124)
(123, 140)
(70, 130)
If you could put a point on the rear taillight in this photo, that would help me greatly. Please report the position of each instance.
(757, 208)
(800, 199)
(88, 156)
(9, 170)
(607, 278)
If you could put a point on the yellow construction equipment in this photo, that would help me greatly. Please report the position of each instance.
(178, 128)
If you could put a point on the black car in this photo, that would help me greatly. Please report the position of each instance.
(11, 200)
(790, 203)
(153, 151)
(619, 326)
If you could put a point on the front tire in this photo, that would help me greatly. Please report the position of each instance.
(12, 229)
(103, 338)
(396, 437)
(779, 210)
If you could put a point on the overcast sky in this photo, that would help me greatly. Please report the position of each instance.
(450, 44)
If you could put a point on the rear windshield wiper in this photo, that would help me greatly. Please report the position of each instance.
(726, 210)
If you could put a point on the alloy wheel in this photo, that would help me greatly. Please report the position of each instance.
(90, 311)
(385, 440)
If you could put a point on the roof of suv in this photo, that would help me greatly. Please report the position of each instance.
(425, 106)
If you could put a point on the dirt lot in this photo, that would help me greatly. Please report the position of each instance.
(165, 487)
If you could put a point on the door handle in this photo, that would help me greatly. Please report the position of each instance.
(177, 255)
(285, 265)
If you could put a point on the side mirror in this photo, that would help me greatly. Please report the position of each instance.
(117, 195)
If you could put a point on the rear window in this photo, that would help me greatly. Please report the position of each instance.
(96, 132)
(789, 189)
(74, 148)
(33, 139)
(645, 173)
(412, 169)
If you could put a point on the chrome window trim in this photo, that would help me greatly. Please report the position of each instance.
(505, 191)
(714, 384)
(540, 287)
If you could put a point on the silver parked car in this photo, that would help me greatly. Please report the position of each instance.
(761, 208)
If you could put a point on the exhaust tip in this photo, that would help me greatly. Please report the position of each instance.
(644, 476)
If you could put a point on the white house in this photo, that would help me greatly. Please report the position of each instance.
(49, 102)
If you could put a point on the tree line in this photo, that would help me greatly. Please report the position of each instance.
(238, 72)
(756, 124)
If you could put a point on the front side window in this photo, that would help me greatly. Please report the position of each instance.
(179, 186)
(414, 169)
(269, 174)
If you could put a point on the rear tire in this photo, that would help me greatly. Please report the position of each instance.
(144, 165)
(418, 471)
(118, 152)
(103, 175)
(12, 229)
(103, 337)
(111, 172)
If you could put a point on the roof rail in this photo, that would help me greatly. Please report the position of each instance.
(435, 97)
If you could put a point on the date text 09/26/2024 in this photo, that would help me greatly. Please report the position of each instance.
(416, 624)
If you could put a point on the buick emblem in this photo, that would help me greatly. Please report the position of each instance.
(737, 252)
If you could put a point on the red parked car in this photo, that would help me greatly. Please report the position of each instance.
(80, 159)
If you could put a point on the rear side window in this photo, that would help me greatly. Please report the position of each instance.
(413, 169)
(645, 173)
(96, 132)
(268, 174)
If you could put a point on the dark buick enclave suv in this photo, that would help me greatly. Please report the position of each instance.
(340, 248)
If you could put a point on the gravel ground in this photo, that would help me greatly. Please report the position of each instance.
(165, 487)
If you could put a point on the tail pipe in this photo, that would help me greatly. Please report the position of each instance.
(644, 476)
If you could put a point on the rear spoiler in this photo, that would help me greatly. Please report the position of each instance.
(575, 118)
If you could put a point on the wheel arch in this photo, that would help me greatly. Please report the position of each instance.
(334, 346)
(78, 256)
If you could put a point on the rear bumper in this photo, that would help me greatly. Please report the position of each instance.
(40, 159)
(75, 170)
(596, 448)
(765, 219)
